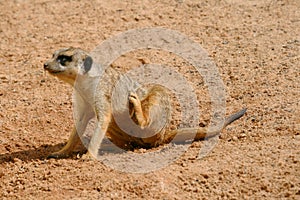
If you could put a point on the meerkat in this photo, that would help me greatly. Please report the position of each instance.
(93, 97)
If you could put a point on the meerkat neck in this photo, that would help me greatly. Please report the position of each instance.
(86, 87)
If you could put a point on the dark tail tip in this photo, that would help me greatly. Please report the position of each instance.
(235, 116)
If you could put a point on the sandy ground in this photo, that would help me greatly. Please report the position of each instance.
(255, 45)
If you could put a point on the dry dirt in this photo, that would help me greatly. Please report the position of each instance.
(256, 46)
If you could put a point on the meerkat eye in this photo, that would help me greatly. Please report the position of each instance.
(63, 59)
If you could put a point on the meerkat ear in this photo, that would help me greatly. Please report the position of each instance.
(87, 64)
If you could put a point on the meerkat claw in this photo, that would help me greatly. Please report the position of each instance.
(134, 99)
(133, 96)
(57, 155)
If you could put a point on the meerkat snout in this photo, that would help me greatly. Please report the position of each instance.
(46, 65)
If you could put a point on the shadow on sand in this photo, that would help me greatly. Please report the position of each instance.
(39, 153)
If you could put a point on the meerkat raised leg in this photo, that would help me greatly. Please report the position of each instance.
(151, 111)
(142, 116)
(151, 107)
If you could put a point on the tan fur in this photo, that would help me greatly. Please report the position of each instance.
(94, 98)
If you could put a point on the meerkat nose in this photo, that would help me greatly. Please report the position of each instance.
(45, 66)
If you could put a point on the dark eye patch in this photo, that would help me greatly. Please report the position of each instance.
(63, 59)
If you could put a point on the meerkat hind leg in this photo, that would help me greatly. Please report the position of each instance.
(152, 110)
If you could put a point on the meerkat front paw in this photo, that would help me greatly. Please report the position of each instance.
(87, 157)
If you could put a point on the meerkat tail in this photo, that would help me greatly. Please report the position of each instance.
(185, 134)
(234, 117)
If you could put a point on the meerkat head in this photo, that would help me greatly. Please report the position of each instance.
(68, 63)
